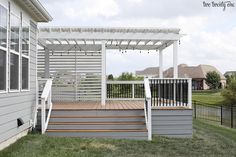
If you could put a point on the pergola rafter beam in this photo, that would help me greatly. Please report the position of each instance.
(125, 37)
(146, 42)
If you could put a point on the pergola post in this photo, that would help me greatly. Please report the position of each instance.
(175, 59)
(47, 62)
(160, 64)
(104, 91)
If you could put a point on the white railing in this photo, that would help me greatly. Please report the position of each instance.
(148, 108)
(45, 103)
(171, 92)
(125, 90)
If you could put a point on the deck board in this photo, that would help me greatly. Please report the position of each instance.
(110, 105)
(96, 105)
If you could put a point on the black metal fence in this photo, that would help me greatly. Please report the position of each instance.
(223, 115)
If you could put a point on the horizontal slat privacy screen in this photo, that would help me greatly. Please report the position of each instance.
(76, 75)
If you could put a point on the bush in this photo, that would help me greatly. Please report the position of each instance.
(229, 93)
(230, 78)
(110, 77)
(213, 80)
(126, 76)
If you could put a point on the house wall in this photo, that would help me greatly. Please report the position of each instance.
(20, 104)
(172, 123)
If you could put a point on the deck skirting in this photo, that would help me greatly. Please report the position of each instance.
(172, 123)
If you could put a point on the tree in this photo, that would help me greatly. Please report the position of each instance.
(213, 80)
(230, 78)
(110, 77)
(125, 76)
(229, 93)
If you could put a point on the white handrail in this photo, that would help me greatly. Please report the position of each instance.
(147, 88)
(147, 108)
(133, 95)
(47, 89)
(170, 78)
(124, 82)
(46, 99)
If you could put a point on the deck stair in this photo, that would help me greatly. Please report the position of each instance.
(119, 124)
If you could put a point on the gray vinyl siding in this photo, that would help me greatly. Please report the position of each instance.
(19, 104)
(172, 123)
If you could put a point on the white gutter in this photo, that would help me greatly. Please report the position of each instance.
(42, 10)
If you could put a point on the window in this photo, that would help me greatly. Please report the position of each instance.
(15, 28)
(14, 52)
(3, 48)
(3, 27)
(25, 73)
(2, 70)
(14, 71)
(25, 56)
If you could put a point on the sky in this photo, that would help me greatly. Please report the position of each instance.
(210, 32)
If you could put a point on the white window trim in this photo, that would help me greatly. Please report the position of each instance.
(28, 57)
(16, 53)
(6, 49)
(20, 55)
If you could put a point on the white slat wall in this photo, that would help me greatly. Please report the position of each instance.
(76, 75)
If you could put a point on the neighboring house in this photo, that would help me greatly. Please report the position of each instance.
(197, 73)
(150, 72)
(18, 73)
(229, 73)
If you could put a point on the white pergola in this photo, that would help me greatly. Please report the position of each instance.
(100, 39)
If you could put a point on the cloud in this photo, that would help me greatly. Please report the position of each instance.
(92, 9)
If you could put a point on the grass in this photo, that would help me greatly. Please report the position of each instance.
(209, 97)
(208, 140)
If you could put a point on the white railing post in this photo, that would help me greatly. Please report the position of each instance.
(149, 108)
(103, 94)
(46, 96)
(43, 115)
(175, 59)
(37, 104)
(132, 90)
(160, 64)
(190, 93)
(149, 119)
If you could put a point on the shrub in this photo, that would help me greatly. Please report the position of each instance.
(110, 77)
(229, 93)
(230, 78)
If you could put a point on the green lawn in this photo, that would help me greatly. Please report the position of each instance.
(208, 140)
(208, 97)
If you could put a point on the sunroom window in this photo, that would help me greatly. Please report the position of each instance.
(14, 52)
(3, 48)
(25, 56)
(2, 70)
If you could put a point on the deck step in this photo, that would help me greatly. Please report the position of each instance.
(98, 124)
(97, 116)
(103, 130)
(138, 134)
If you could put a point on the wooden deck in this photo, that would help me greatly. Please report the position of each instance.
(110, 105)
(96, 105)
